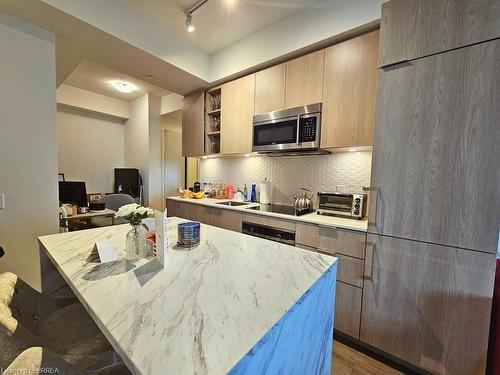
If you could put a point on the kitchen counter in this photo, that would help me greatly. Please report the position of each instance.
(312, 218)
(234, 303)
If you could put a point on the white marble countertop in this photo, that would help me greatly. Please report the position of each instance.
(312, 218)
(202, 312)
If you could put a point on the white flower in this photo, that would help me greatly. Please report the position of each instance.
(142, 210)
(126, 210)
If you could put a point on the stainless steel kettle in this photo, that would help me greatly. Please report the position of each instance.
(303, 204)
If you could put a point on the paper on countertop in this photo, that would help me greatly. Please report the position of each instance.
(161, 236)
(106, 251)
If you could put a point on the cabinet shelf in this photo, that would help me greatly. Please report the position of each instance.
(215, 112)
(213, 133)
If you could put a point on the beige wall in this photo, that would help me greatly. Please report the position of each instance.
(155, 173)
(90, 101)
(143, 146)
(136, 138)
(90, 147)
(28, 145)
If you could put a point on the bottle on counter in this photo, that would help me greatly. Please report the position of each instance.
(245, 192)
(229, 191)
(253, 194)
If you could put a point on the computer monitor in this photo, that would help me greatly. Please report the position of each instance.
(73, 192)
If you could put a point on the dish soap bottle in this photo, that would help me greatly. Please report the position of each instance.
(253, 195)
(245, 193)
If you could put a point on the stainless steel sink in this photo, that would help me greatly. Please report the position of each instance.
(233, 203)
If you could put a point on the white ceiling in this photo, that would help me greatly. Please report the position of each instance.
(140, 37)
(96, 78)
(220, 23)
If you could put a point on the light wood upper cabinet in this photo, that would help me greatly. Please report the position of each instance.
(414, 28)
(429, 305)
(436, 150)
(193, 132)
(304, 80)
(237, 115)
(270, 89)
(349, 92)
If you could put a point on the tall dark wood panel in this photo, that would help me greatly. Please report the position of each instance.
(427, 304)
(414, 28)
(193, 133)
(436, 157)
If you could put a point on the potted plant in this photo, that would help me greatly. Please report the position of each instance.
(136, 238)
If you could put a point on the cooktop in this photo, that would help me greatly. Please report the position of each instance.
(280, 209)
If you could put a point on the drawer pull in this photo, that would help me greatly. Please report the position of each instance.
(369, 260)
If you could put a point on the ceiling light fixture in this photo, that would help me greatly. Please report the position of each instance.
(123, 86)
(189, 13)
(189, 23)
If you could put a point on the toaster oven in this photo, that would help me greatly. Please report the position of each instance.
(344, 204)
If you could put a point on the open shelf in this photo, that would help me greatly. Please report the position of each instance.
(215, 112)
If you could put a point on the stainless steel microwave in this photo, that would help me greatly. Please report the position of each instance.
(290, 130)
(350, 205)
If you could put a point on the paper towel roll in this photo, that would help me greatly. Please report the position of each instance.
(265, 192)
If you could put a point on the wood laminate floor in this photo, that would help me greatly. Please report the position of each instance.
(347, 361)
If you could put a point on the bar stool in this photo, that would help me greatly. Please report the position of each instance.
(38, 360)
(31, 319)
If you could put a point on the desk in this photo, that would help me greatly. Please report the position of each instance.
(89, 215)
(234, 303)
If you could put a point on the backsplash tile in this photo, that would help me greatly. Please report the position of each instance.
(288, 174)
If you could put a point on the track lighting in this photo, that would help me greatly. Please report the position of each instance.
(189, 13)
(189, 23)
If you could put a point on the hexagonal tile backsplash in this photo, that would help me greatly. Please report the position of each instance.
(348, 170)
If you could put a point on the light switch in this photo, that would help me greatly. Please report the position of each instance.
(2, 201)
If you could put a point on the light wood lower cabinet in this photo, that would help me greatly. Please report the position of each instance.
(218, 217)
(331, 240)
(349, 248)
(427, 304)
(347, 308)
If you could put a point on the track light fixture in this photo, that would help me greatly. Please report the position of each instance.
(189, 23)
(189, 13)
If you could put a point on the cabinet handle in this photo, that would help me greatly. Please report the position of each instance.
(396, 65)
(370, 189)
(369, 260)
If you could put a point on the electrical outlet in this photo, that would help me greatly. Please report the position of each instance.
(2, 201)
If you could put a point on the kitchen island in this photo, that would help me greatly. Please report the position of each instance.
(233, 304)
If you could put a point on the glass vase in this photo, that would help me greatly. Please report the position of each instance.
(136, 243)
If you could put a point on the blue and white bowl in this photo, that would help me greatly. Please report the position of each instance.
(188, 234)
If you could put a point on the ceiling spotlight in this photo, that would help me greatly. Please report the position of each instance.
(123, 86)
(189, 13)
(189, 23)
